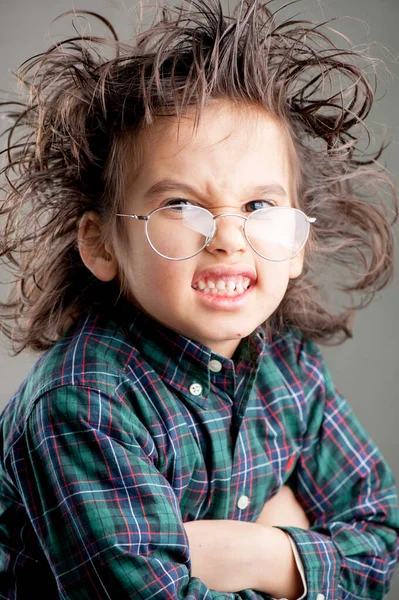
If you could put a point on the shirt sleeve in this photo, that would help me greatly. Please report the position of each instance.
(349, 495)
(108, 521)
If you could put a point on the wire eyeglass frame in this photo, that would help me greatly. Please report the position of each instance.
(210, 236)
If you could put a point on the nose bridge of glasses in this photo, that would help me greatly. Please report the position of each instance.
(216, 217)
(215, 228)
(229, 215)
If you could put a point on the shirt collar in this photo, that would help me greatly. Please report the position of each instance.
(181, 361)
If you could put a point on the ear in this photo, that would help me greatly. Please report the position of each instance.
(98, 257)
(296, 265)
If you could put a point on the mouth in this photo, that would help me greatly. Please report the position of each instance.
(224, 282)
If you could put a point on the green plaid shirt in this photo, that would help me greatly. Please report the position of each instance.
(120, 435)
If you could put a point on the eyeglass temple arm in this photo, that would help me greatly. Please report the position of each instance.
(139, 217)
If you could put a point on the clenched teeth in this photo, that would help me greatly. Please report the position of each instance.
(223, 287)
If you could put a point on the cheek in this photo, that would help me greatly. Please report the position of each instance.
(150, 277)
(274, 276)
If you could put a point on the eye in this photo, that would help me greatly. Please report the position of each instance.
(257, 205)
(176, 202)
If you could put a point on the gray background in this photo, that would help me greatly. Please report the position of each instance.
(364, 368)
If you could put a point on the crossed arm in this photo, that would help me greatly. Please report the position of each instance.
(111, 523)
(231, 555)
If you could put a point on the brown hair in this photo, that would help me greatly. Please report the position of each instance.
(65, 155)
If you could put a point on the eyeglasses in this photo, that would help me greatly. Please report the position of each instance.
(180, 231)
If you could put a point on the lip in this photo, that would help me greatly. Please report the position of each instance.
(225, 271)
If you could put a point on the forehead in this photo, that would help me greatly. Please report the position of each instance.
(230, 148)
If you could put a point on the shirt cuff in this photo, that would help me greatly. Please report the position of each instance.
(319, 560)
(300, 568)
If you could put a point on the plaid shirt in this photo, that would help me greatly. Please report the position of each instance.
(120, 435)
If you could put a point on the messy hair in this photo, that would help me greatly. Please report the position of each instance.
(88, 95)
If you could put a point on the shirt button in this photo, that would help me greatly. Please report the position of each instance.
(196, 389)
(320, 597)
(215, 366)
(242, 502)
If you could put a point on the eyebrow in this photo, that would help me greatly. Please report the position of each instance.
(169, 185)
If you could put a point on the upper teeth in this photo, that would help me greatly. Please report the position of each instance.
(223, 286)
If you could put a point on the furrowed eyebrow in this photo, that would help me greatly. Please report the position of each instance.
(270, 189)
(168, 185)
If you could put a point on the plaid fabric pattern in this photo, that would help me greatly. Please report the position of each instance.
(108, 448)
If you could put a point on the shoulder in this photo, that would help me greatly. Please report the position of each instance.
(299, 366)
(77, 378)
(291, 348)
(94, 352)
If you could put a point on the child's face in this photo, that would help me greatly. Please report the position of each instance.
(232, 153)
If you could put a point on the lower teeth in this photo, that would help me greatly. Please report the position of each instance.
(216, 292)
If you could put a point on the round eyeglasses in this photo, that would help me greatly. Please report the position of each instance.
(181, 231)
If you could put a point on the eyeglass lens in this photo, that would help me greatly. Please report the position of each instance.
(179, 232)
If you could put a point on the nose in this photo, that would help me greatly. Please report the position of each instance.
(229, 236)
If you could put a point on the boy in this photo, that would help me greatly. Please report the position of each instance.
(168, 208)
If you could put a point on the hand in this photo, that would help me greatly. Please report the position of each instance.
(283, 510)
